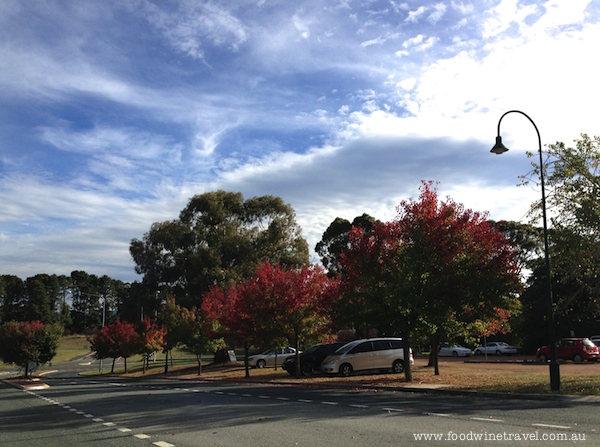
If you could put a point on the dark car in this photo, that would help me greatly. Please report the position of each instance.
(576, 349)
(311, 359)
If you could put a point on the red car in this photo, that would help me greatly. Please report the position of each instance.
(576, 349)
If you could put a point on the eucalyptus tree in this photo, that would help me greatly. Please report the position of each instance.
(218, 238)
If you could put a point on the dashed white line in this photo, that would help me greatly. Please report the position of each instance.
(109, 424)
(163, 444)
(124, 430)
(443, 415)
(306, 401)
(393, 409)
(88, 415)
(264, 397)
(329, 403)
(283, 398)
(487, 419)
(98, 420)
(141, 436)
(561, 427)
(247, 395)
(358, 406)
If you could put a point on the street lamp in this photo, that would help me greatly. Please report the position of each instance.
(499, 148)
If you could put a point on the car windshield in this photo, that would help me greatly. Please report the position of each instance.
(588, 343)
(502, 344)
(312, 349)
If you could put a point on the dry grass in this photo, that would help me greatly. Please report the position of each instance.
(518, 376)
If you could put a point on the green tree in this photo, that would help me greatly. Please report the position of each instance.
(27, 342)
(14, 298)
(218, 238)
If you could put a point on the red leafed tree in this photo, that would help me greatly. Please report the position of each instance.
(114, 341)
(274, 305)
(150, 339)
(27, 342)
(437, 267)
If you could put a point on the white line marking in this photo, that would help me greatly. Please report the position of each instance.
(124, 430)
(283, 398)
(72, 409)
(358, 406)
(247, 395)
(264, 397)
(88, 415)
(80, 412)
(109, 424)
(163, 444)
(218, 392)
(98, 420)
(141, 436)
(562, 427)
(329, 403)
(392, 409)
(308, 401)
(487, 419)
(444, 415)
(232, 394)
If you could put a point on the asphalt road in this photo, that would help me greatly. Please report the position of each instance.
(77, 411)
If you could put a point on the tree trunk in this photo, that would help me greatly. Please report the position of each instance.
(434, 351)
(166, 362)
(246, 364)
(199, 358)
(297, 355)
(407, 365)
(112, 367)
(125, 360)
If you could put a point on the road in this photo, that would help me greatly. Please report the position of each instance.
(77, 411)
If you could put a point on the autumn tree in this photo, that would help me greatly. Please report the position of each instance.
(150, 339)
(114, 341)
(219, 238)
(436, 267)
(27, 342)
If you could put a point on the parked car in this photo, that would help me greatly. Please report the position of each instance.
(496, 347)
(576, 349)
(595, 339)
(311, 359)
(269, 357)
(369, 354)
(453, 350)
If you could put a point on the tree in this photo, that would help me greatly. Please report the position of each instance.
(151, 339)
(335, 241)
(219, 238)
(27, 342)
(436, 268)
(199, 338)
(175, 321)
(114, 341)
(573, 188)
(14, 298)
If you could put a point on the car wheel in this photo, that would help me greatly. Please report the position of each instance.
(261, 364)
(542, 358)
(307, 369)
(498, 353)
(478, 352)
(345, 370)
(578, 358)
(454, 354)
(398, 367)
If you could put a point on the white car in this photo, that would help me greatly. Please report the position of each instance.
(454, 350)
(268, 358)
(369, 354)
(496, 347)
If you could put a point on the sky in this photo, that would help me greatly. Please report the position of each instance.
(114, 114)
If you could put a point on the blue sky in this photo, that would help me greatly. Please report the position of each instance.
(114, 113)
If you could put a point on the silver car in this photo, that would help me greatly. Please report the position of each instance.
(368, 354)
(268, 358)
(496, 347)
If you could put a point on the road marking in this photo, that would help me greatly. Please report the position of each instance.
(163, 444)
(358, 406)
(443, 415)
(141, 436)
(80, 412)
(264, 397)
(283, 398)
(232, 394)
(124, 430)
(98, 420)
(561, 427)
(307, 401)
(218, 392)
(392, 409)
(487, 419)
(72, 409)
(109, 424)
(88, 415)
(329, 403)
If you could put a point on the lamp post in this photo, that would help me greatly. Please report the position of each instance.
(499, 148)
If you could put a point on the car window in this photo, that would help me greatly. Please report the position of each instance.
(396, 344)
(345, 348)
(288, 351)
(381, 345)
(363, 347)
(587, 343)
(571, 343)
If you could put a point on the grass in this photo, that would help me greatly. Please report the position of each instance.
(515, 377)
